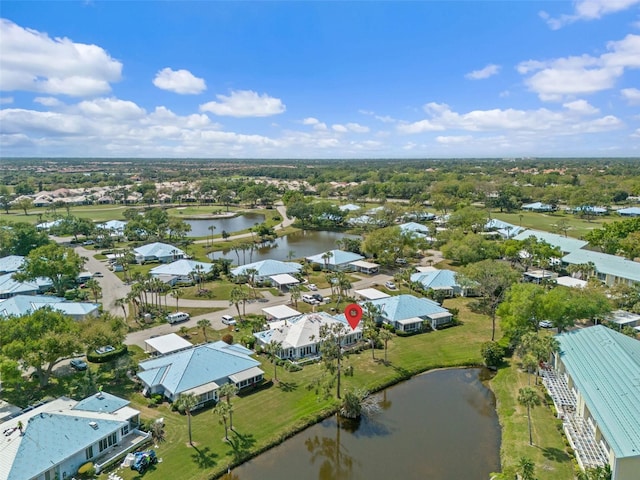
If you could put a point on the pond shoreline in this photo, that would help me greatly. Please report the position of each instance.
(324, 414)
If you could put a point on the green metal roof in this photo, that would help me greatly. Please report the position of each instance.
(605, 367)
(605, 263)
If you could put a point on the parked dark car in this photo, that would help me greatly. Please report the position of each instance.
(78, 364)
(318, 297)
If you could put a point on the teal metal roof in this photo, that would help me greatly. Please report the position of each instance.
(190, 368)
(11, 263)
(101, 402)
(402, 307)
(566, 244)
(181, 267)
(24, 304)
(338, 257)
(267, 268)
(436, 279)
(605, 367)
(605, 263)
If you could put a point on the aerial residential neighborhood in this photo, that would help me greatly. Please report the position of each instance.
(319, 239)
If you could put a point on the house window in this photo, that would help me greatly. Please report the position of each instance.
(112, 439)
(124, 430)
(103, 444)
(89, 453)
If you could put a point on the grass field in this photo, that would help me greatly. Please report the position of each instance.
(578, 227)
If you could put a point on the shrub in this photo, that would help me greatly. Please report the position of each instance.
(492, 353)
(227, 338)
(87, 470)
(93, 357)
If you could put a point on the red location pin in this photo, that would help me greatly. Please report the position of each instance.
(353, 312)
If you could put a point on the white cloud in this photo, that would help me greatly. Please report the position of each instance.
(6, 100)
(32, 61)
(556, 79)
(453, 139)
(102, 108)
(48, 101)
(569, 120)
(244, 103)
(486, 72)
(588, 10)
(350, 127)
(317, 124)
(631, 95)
(179, 81)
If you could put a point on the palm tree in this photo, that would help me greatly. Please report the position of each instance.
(222, 410)
(325, 258)
(385, 336)
(528, 397)
(175, 293)
(211, 228)
(203, 324)
(370, 328)
(272, 349)
(95, 288)
(228, 390)
(236, 296)
(526, 468)
(295, 292)
(188, 401)
(122, 302)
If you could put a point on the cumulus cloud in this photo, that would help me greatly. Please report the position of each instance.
(556, 79)
(350, 127)
(32, 61)
(48, 101)
(486, 72)
(453, 139)
(317, 124)
(179, 81)
(588, 10)
(631, 95)
(569, 120)
(244, 103)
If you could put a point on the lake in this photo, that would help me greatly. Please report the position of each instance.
(200, 228)
(302, 244)
(441, 426)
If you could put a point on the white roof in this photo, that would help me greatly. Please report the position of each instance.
(284, 279)
(167, 343)
(363, 264)
(246, 374)
(280, 312)
(409, 321)
(571, 282)
(371, 293)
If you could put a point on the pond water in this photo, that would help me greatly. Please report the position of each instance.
(441, 426)
(302, 244)
(200, 228)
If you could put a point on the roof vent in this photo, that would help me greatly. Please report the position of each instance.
(99, 395)
(93, 425)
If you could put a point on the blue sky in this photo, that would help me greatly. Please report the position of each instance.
(307, 79)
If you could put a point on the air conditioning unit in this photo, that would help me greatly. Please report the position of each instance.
(93, 425)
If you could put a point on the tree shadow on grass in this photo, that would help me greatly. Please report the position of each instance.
(241, 445)
(554, 454)
(287, 386)
(204, 457)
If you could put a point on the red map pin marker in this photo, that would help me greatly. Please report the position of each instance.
(353, 312)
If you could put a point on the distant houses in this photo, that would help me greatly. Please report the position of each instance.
(336, 260)
(158, 252)
(629, 212)
(181, 272)
(538, 207)
(444, 281)
(271, 272)
(565, 244)
(610, 269)
(19, 305)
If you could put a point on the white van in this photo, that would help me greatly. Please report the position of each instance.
(228, 320)
(177, 317)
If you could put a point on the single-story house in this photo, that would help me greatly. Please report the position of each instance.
(565, 244)
(181, 271)
(370, 294)
(10, 287)
(610, 269)
(266, 269)
(629, 212)
(300, 336)
(284, 280)
(594, 385)
(158, 252)
(279, 312)
(538, 207)
(11, 263)
(200, 370)
(413, 228)
(590, 210)
(504, 229)
(365, 267)
(113, 228)
(622, 318)
(538, 275)
(407, 313)
(335, 259)
(164, 344)
(441, 280)
(349, 207)
(55, 438)
(24, 304)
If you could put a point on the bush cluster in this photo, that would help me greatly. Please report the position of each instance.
(93, 357)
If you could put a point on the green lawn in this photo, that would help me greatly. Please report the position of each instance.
(266, 417)
(545, 221)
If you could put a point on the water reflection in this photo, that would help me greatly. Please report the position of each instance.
(202, 228)
(441, 426)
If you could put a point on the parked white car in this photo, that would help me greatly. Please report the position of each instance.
(390, 285)
(312, 286)
(228, 320)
